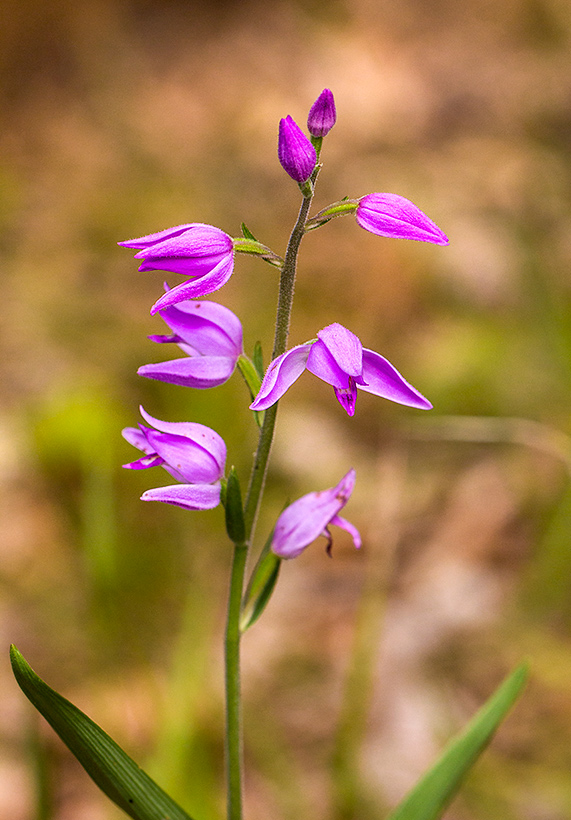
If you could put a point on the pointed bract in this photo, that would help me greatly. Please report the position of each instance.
(397, 217)
(295, 152)
(322, 114)
(310, 516)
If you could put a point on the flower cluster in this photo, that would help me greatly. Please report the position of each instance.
(210, 336)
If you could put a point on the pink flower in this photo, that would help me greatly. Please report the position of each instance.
(339, 358)
(295, 152)
(310, 516)
(202, 252)
(393, 215)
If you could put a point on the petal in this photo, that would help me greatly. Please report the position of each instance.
(398, 217)
(199, 433)
(201, 286)
(152, 238)
(348, 527)
(382, 379)
(187, 496)
(280, 375)
(136, 437)
(322, 364)
(188, 461)
(304, 520)
(152, 460)
(211, 329)
(200, 372)
(344, 346)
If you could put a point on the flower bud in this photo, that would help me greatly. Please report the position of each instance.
(322, 115)
(295, 152)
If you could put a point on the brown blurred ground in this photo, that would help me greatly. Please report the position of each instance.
(124, 118)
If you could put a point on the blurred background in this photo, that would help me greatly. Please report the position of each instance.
(123, 118)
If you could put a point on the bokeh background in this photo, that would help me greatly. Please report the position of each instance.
(122, 118)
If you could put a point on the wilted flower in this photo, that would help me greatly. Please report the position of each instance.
(202, 252)
(211, 337)
(339, 358)
(393, 215)
(295, 152)
(322, 114)
(193, 454)
(310, 516)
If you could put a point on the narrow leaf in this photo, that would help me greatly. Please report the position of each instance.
(260, 586)
(258, 359)
(235, 526)
(116, 774)
(247, 232)
(430, 797)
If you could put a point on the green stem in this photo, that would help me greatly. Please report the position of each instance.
(233, 705)
(283, 316)
(253, 500)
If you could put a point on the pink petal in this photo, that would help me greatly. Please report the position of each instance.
(203, 285)
(304, 520)
(382, 379)
(280, 375)
(395, 216)
(200, 372)
(187, 496)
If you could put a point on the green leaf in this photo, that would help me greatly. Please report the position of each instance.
(430, 797)
(116, 774)
(235, 526)
(258, 359)
(248, 233)
(260, 586)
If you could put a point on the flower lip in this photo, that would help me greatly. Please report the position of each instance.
(310, 516)
(397, 217)
(295, 152)
(322, 114)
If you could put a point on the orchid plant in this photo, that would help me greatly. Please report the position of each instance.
(210, 337)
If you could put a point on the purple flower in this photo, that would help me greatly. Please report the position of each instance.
(393, 215)
(202, 252)
(322, 115)
(295, 152)
(310, 516)
(211, 337)
(339, 358)
(192, 453)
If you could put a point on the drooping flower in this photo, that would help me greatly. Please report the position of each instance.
(211, 337)
(202, 252)
(339, 358)
(310, 516)
(295, 152)
(395, 216)
(193, 454)
(322, 114)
